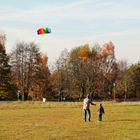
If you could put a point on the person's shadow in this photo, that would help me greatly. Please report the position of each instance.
(122, 120)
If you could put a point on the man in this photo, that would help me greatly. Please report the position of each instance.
(86, 107)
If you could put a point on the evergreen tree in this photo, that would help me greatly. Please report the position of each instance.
(6, 91)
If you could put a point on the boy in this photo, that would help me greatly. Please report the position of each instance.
(100, 112)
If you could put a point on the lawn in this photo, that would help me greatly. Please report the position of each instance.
(64, 121)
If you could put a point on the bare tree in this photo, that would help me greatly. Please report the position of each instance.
(25, 65)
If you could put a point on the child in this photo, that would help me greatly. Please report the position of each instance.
(100, 112)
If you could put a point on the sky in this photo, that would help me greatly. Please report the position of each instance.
(73, 23)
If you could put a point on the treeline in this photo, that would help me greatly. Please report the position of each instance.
(94, 70)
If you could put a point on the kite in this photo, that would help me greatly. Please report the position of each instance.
(41, 31)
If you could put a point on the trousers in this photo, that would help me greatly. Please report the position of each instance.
(87, 111)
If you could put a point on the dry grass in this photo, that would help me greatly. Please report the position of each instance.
(64, 121)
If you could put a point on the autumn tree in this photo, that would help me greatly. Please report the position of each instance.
(29, 69)
(60, 77)
(77, 65)
(121, 81)
(132, 81)
(89, 70)
(108, 67)
(42, 79)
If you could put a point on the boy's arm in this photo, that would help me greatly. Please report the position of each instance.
(103, 111)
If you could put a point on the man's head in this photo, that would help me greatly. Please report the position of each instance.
(88, 96)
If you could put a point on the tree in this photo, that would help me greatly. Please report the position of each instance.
(132, 77)
(43, 79)
(136, 79)
(29, 69)
(77, 69)
(92, 70)
(128, 86)
(7, 88)
(121, 90)
(88, 70)
(107, 69)
(60, 77)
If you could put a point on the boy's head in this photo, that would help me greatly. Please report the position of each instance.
(100, 105)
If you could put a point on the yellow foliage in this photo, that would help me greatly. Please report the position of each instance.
(43, 59)
(84, 51)
(107, 49)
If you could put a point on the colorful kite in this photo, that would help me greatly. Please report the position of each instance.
(41, 31)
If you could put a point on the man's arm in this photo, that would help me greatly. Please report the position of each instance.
(92, 103)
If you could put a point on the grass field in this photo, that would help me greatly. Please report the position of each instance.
(64, 121)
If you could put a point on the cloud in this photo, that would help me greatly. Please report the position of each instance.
(74, 23)
(77, 10)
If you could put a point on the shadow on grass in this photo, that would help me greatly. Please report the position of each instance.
(123, 120)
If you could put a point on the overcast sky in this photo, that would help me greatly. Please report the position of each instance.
(73, 23)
